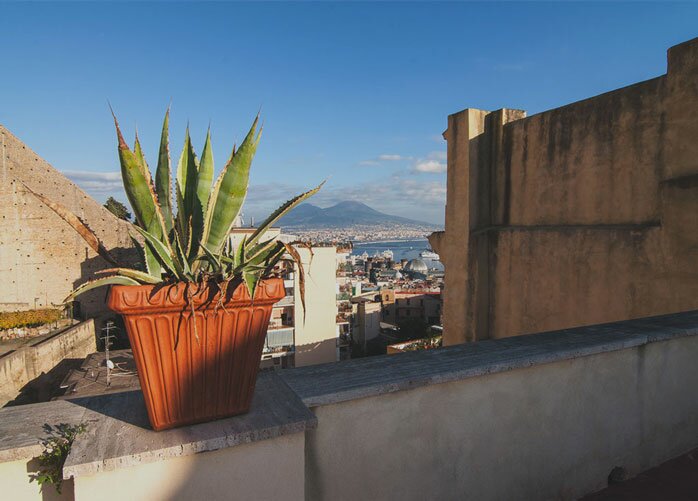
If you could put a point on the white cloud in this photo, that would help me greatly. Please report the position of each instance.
(97, 183)
(385, 157)
(433, 166)
(391, 158)
(435, 162)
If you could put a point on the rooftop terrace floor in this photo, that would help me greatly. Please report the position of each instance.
(676, 479)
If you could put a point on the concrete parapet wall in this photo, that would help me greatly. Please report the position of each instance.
(544, 416)
(548, 432)
(17, 368)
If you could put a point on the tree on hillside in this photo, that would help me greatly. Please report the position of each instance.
(117, 208)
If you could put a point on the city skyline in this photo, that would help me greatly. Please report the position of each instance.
(354, 93)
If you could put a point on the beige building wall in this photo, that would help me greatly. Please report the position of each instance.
(367, 319)
(580, 215)
(316, 334)
(41, 257)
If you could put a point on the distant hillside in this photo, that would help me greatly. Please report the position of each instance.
(340, 215)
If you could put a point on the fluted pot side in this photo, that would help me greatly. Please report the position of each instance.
(196, 375)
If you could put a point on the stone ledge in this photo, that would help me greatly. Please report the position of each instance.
(118, 434)
(338, 382)
(22, 427)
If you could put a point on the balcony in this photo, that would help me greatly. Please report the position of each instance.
(542, 416)
(278, 337)
(286, 301)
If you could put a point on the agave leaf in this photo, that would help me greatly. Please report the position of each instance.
(212, 258)
(139, 187)
(261, 248)
(203, 190)
(140, 276)
(229, 192)
(239, 257)
(301, 273)
(164, 255)
(251, 279)
(181, 257)
(278, 213)
(186, 187)
(99, 282)
(163, 182)
(152, 265)
(85, 232)
(273, 258)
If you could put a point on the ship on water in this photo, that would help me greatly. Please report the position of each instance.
(429, 254)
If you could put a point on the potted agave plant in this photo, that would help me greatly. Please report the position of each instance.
(197, 312)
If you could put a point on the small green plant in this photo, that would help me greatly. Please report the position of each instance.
(190, 245)
(56, 446)
(29, 318)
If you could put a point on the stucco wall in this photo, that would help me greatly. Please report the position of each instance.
(270, 469)
(41, 257)
(552, 431)
(579, 215)
(16, 483)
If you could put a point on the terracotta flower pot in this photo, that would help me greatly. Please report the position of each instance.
(185, 380)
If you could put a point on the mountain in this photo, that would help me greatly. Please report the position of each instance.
(343, 214)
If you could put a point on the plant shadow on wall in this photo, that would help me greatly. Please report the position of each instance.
(196, 307)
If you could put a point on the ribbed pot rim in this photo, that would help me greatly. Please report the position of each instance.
(134, 299)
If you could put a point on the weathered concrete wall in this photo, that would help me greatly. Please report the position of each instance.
(41, 257)
(19, 367)
(579, 215)
(552, 431)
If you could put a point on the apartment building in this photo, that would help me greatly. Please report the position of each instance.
(299, 334)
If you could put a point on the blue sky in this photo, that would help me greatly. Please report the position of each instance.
(357, 93)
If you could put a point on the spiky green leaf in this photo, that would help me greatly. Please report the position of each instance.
(213, 259)
(163, 182)
(229, 192)
(239, 257)
(152, 265)
(140, 276)
(163, 253)
(186, 189)
(251, 277)
(99, 282)
(139, 188)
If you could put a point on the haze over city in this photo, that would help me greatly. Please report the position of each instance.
(354, 93)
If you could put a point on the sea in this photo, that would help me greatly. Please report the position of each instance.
(402, 249)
